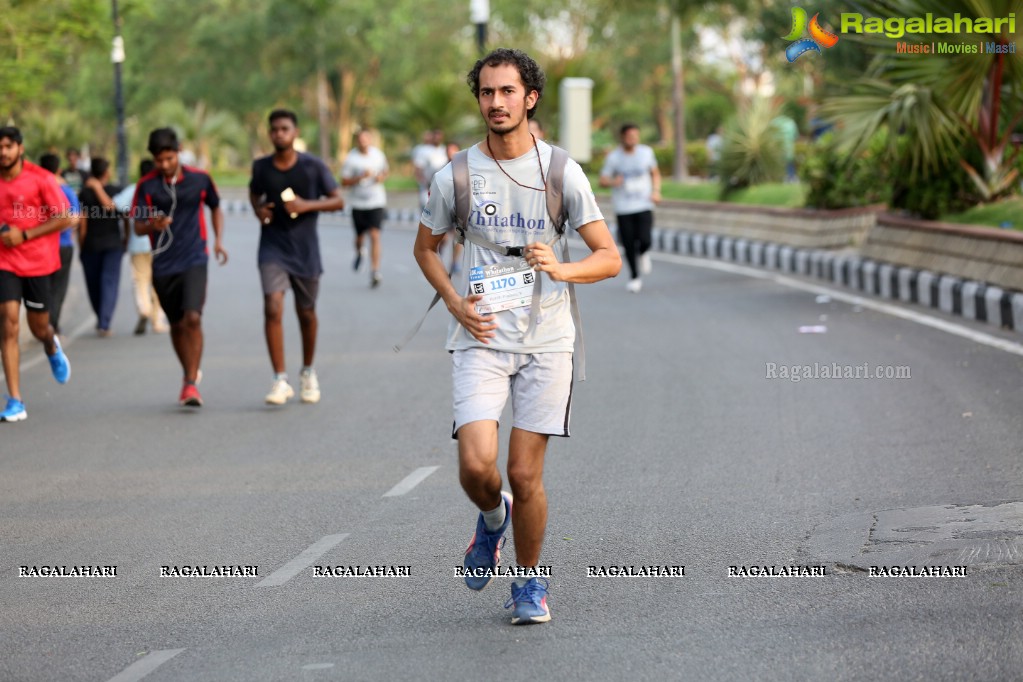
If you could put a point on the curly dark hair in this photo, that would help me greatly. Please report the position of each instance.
(530, 72)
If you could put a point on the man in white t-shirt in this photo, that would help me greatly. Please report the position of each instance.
(363, 172)
(630, 170)
(428, 158)
(508, 351)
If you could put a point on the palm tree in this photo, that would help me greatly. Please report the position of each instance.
(937, 103)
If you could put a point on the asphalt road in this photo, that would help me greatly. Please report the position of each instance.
(684, 453)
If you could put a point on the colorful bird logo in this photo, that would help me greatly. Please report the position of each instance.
(818, 36)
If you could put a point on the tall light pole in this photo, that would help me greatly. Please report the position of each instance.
(117, 57)
(479, 14)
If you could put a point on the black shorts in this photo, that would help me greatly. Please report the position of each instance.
(181, 292)
(275, 278)
(35, 291)
(367, 219)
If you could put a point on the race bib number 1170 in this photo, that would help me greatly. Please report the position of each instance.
(503, 285)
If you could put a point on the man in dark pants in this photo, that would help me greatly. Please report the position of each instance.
(171, 200)
(631, 172)
(59, 280)
(32, 210)
(287, 191)
(101, 243)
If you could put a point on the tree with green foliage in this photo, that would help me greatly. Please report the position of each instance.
(938, 107)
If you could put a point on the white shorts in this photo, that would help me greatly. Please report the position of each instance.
(540, 385)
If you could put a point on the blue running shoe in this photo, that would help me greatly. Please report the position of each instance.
(530, 602)
(484, 552)
(14, 412)
(59, 364)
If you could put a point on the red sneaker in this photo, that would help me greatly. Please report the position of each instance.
(190, 396)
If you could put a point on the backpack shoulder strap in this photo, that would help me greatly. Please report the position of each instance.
(559, 215)
(460, 175)
(463, 192)
(555, 188)
(463, 208)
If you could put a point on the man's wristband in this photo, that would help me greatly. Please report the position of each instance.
(24, 235)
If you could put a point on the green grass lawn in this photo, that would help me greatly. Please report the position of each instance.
(231, 178)
(239, 178)
(789, 195)
(771, 194)
(993, 215)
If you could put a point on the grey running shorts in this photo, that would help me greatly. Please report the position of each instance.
(540, 385)
(275, 278)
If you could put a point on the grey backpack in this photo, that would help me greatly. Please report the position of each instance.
(555, 210)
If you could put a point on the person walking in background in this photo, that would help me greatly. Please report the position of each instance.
(428, 158)
(788, 132)
(499, 350)
(172, 198)
(630, 170)
(140, 254)
(101, 244)
(32, 210)
(715, 143)
(59, 280)
(288, 190)
(363, 172)
(74, 175)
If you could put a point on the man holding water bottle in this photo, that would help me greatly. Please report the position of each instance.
(288, 190)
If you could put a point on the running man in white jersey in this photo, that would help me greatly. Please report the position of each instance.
(509, 351)
(363, 173)
(631, 172)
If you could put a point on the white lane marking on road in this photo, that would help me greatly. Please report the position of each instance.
(317, 666)
(410, 481)
(65, 342)
(145, 665)
(888, 309)
(302, 561)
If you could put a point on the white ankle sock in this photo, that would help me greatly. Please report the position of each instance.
(494, 518)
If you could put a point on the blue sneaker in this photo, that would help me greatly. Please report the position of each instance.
(59, 364)
(14, 412)
(530, 602)
(484, 552)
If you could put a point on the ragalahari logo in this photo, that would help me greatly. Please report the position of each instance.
(818, 36)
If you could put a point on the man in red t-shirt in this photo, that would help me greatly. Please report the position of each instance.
(33, 211)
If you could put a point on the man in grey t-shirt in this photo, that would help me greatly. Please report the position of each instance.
(497, 347)
(631, 172)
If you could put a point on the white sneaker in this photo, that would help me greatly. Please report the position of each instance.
(646, 266)
(280, 392)
(310, 390)
(634, 285)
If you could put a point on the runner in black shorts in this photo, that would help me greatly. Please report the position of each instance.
(288, 190)
(182, 291)
(32, 211)
(168, 207)
(364, 171)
